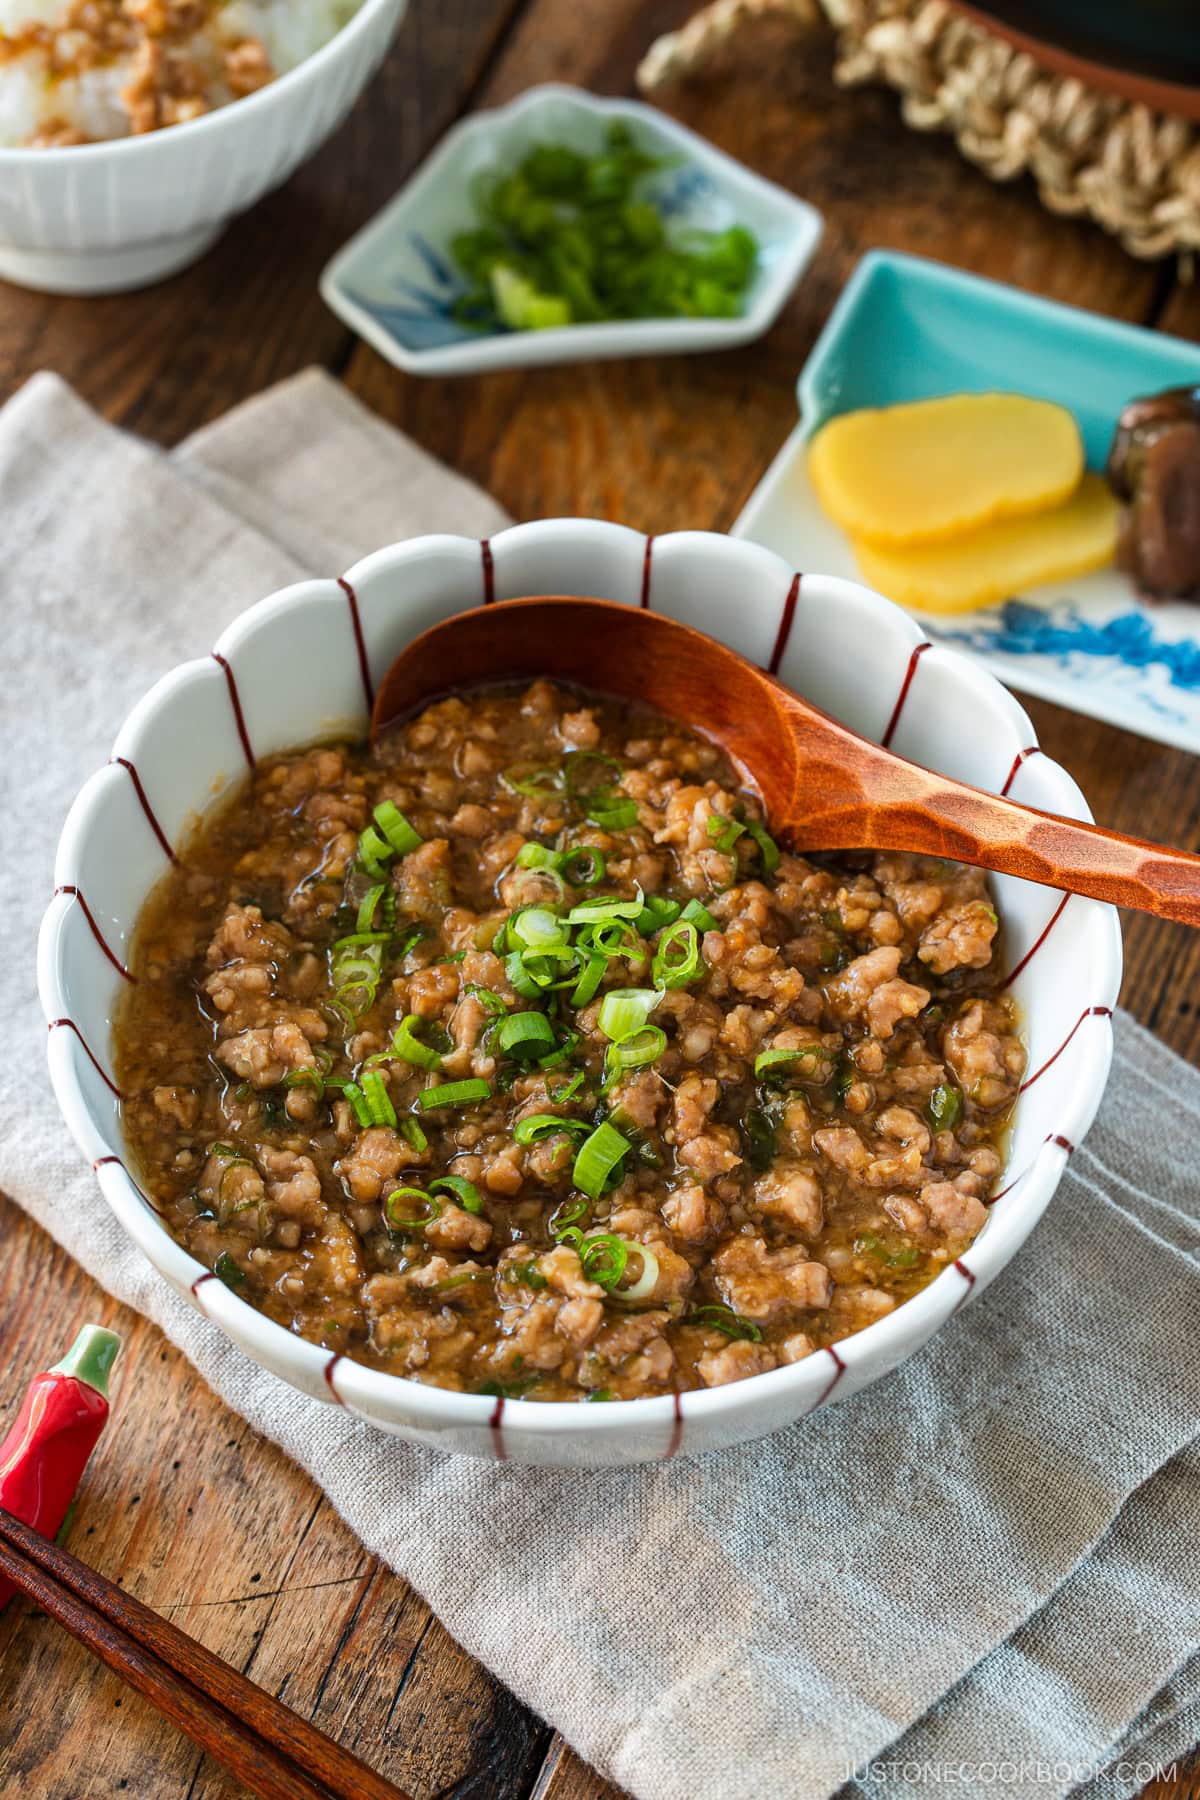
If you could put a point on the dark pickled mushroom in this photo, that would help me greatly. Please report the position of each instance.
(1154, 470)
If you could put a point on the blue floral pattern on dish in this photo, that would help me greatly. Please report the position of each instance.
(1063, 632)
(422, 316)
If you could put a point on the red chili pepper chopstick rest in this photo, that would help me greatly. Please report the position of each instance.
(61, 1417)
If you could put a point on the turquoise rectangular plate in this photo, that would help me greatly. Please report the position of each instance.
(907, 329)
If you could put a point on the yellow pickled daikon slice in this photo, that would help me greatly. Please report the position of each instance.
(935, 468)
(999, 560)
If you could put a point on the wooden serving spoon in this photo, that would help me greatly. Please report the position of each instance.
(823, 786)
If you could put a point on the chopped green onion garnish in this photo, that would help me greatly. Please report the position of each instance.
(561, 236)
(229, 1164)
(603, 1259)
(530, 972)
(657, 912)
(514, 1389)
(598, 1163)
(312, 1078)
(396, 829)
(565, 1217)
(466, 1279)
(407, 1044)
(568, 1089)
(536, 1126)
(566, 1045)
(453, 1093)
(539, 784)
(574, 777)
(401, 1199)
(724, 832)
(355, 971)
(524, 1034)
(526, 1273)
(490, 1002)
(767, 847)
(536, 928)
(647, 1279)
(636, 1052)
(723, 1318)
(520, 978)
(536, 856)
(378, 1100)
(582, 865)
(624, 1011)
(357, 1099)
(613, 812)
(613, 937)
(945, 1107)
(593, 974)
(812, 1062)
(700, 917)
(367, 905)
(465, 1192)
(599, 1394)
(411, 1129)
(374, 852)
(411, 937)
(677, 959)
(896, 1256)
(226, 1270)
(605, 908)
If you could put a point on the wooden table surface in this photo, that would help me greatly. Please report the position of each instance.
(184, 1504)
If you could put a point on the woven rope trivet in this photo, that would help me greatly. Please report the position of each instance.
(1134, 171)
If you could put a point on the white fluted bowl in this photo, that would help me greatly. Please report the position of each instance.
(302, 665)
(103, 218)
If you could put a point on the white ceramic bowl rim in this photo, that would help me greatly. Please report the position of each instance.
(888, 1340)
(13, 155)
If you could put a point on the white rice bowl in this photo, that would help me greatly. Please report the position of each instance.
(33, 99)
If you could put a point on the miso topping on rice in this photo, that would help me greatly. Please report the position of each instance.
(82, 71)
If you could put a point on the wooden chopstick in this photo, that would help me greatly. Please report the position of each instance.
(275, 1752)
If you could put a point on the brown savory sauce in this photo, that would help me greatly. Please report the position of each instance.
(706, 1107)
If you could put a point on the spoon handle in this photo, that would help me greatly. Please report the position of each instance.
(906, 808)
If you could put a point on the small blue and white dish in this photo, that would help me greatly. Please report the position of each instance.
(395, 284)
(907, 329)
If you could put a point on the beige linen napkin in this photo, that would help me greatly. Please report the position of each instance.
(984, 1571)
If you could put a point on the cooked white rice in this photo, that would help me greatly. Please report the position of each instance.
(35, 100)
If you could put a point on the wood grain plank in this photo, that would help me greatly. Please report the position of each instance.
(211, 1525)
(565, 1776)
(174, 356)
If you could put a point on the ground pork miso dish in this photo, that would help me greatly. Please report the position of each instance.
(513, 1056)
(81, 71)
